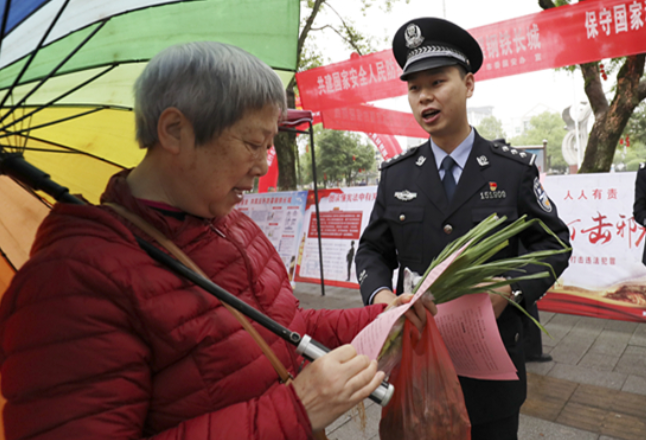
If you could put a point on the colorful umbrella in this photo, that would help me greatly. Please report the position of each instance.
(67, 68)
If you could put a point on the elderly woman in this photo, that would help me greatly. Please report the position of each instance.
(100, 341)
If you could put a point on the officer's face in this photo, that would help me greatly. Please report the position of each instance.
(438, 98)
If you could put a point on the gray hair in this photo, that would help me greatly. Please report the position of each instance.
(212, 84)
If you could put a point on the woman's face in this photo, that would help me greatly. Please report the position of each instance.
(218, 172)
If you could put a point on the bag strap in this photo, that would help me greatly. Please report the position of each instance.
(171, 247)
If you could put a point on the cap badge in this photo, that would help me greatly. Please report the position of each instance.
(482, 161)
(405, 195)
(420, 161)
(413, 36)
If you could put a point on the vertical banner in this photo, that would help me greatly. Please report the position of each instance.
(269, 182)
(344, 214)
(605, 277)
(280, 216)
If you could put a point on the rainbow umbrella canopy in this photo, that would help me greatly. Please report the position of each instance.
(67, 68)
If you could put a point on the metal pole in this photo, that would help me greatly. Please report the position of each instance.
(316, 204)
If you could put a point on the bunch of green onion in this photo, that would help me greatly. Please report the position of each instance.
(472, 272)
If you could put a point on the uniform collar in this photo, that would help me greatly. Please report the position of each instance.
(459, 155)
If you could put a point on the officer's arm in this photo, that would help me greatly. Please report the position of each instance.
(376, 256)
(639, 206)
(535, 238)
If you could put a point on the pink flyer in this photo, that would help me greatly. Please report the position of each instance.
(468, 327)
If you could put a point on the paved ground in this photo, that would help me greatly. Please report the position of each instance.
(595, 389)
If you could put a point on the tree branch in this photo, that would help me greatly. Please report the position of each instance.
(641, 90)
(306, 29)
(593, 88)
(341, 35)
(628, 76)
(546, 4)
(350, 32)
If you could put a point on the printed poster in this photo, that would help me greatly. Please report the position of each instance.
(605, 277)
(280, 216)
(344, 214)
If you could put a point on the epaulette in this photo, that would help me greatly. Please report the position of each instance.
(399, 157)
(517, 154)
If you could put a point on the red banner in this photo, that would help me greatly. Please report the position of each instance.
(358, 80)
(368, 119)
(386, 144)
(580, 33)
(269, 182)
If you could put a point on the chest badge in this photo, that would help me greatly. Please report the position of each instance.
(405, 195)
(482, 161)
(420, 161)
(493, 193)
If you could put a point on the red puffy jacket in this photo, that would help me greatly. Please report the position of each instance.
(99, 341)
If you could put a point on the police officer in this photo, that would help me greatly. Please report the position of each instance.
(434, 193)
(639, 206)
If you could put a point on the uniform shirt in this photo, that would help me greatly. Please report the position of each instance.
(460, 156)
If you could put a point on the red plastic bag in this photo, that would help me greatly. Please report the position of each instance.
(428, 402)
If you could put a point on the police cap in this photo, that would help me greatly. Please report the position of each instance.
(429, 43)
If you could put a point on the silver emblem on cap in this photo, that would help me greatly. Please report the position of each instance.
(413, 36)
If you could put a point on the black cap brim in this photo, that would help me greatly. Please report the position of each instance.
(427, 64)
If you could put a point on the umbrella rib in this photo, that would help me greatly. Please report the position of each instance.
(69, 92)
(75, 150)
(47, 124)
(6, 258)
(53, 72)
(5, 17)
(31, 191)
(33, 54)
(85, 26)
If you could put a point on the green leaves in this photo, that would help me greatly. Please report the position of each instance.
(472, 272)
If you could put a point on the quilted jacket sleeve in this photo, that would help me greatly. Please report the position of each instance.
(75, 364)
(334, 328)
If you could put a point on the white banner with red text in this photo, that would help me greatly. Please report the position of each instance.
(605, 277)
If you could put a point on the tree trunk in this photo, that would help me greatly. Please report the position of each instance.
(285, 145)
(610, 120)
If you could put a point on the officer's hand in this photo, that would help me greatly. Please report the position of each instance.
(499, 302)
(416, 314)
(334, 383)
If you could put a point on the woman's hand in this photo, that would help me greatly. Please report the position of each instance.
(416, 314)
(334, 383)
